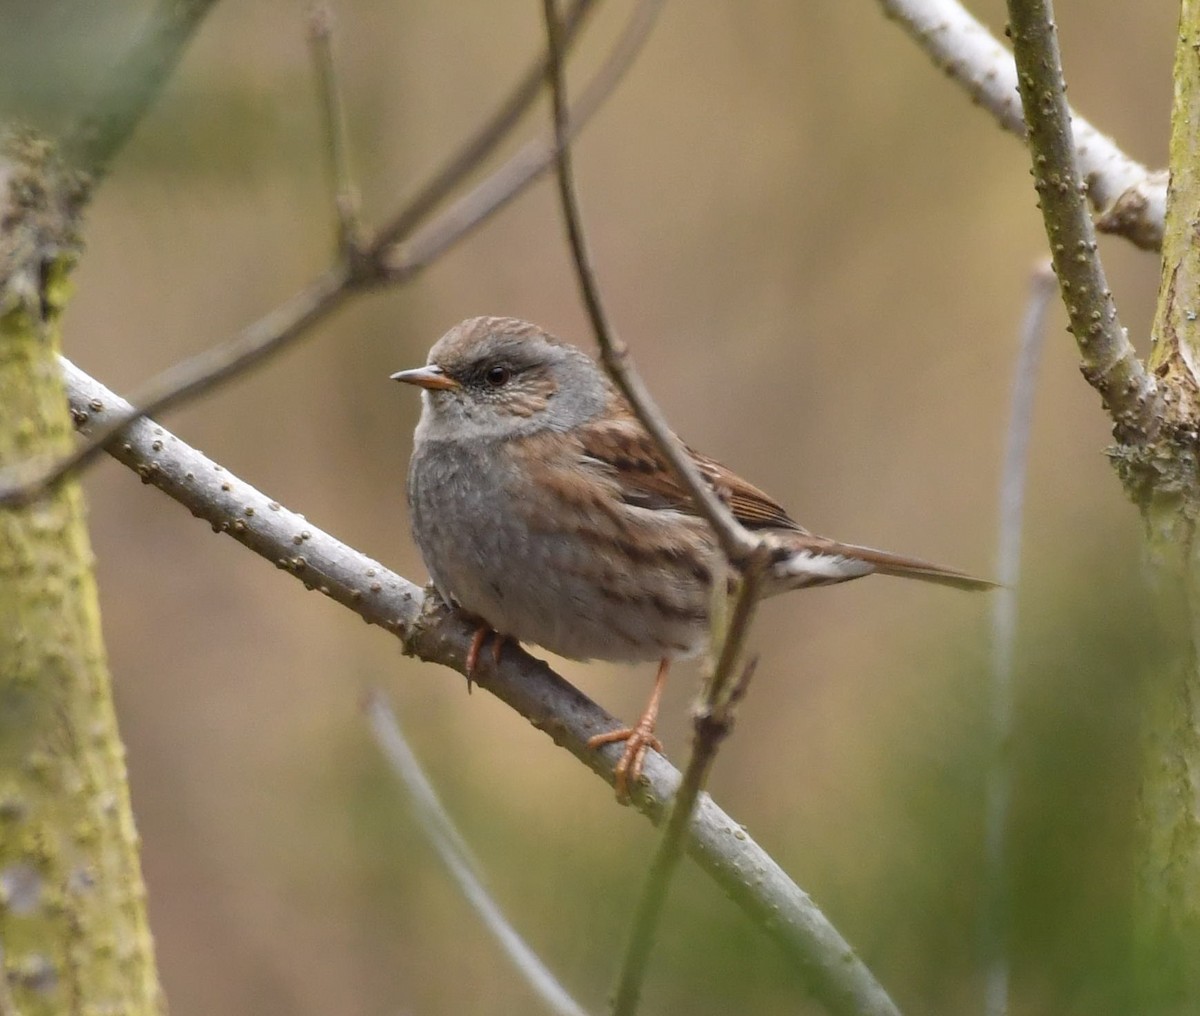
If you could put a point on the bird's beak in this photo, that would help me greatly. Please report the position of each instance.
(431, 376)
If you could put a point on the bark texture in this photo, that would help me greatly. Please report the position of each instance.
(1162, 476)
(73, 931)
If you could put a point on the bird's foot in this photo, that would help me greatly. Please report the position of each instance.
(637, 739)
(473, 651)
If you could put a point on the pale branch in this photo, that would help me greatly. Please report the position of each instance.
(1129, 198)
(428, 630)
(1004, 636)
(122, 100)
(738, 545)
(1109, 361)
(446, 840)
(382, 265)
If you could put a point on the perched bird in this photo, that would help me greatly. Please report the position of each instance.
(544, 509)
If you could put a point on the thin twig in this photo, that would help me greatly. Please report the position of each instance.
(535, 158)
(384, 265)
(1042, 287)
(484, 141)
(122, 101)
(714, 720)
(333, 116)
(188, 379)
(747, 555)
(1131, 200)
(738, 545)
(1110, 362)
(452, 849)
(831, 970)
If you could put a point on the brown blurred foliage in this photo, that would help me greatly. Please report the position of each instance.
(818, 251)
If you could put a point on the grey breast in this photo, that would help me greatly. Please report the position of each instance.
(522, 567)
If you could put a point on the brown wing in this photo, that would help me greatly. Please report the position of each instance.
(623, 447)
(620, 445)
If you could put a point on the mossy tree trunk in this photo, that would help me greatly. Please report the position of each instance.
(1162, 475)
(73, 928)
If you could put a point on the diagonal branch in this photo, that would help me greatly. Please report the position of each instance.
(441, 832)
(722, 848)
(131, 89)
(535, 158)
(1130, 199)
(501, 123)
(1109, 362)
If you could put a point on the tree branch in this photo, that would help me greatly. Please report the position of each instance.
(441, 832)
(531, 161)
(1109, 362)
(430, 631)
(1004, 636)
(1163, 479)
(498, 127)
(1130, 199)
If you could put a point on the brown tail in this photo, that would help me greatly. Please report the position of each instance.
(914, 568)
(825, 555)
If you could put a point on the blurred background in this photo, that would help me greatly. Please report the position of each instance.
(819, 253)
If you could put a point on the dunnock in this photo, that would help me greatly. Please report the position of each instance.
(542, 508)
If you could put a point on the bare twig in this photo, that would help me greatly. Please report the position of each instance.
(484, 141)
(1004, 636)
(187, 379)
(384, 264)
(1130, 199)
(329, 94)
(122, 101)
(714, 720)
(746, 554)
(716, 842)
(737, 544)
(451, 848)
(461, 218)
(1110, 363)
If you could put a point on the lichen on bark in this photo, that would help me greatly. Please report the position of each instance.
(1163, 477)
(73, 931)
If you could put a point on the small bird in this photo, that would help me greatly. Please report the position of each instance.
(544, 510)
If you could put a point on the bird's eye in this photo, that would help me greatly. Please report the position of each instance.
(498, 375)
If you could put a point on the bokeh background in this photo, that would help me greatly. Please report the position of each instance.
(819, 252)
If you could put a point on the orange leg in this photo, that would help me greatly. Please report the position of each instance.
(476, 647)
(637, 739)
